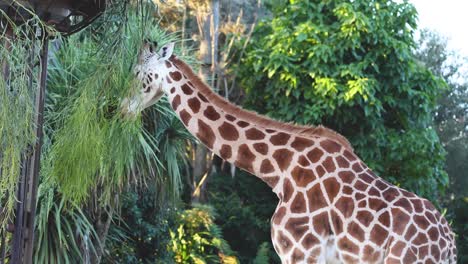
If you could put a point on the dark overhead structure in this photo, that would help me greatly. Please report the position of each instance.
(66, 17)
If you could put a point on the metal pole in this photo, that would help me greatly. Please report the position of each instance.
(6, 74)
(36, 157)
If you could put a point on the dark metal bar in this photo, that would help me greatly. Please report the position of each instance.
(19, 220)
(6, 74)
(36, 157)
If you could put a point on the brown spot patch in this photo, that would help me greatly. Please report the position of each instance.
(360, 185)
(345, 205)
(245, 158)
(377, 204)
(378, 234)
(172, 90)
(175, 102)
(303, 161)
(211, 113)
(225, 152)
(205, 134)
(404, 203)
(185, 117)
(400, 220)
(366, 177)
(309, 241)
(433, 234)
(357, 167)
(186, 89)
(374, 192)
(228, 131)
(421, 221)
(397, 249)
(320, 171)
(410, 232)
(355, 230)
(266, 166)
(278, 215)
(168, 79)
(365, 217)
(280, 139)
(283, 158)
(297, 256)
(261, 148)
(298, 204)
(381, 185)
(346, 176)
(329, 164)
(271, 181)
(430, 216)
(342, 162)
(359, 196)
(315, 155)
(347, 190)
(230, 117)
(420, 239)
(254, 134)
(301, 143)
(321, 224)
(242, 124)
(330, 146)
(435, 251)
(284, 243)
(288, 190)
(409, 257)
(168, 64)
(337, 222)
(418, 205)
(270, 131)
(370, 254)
(175, 75)
(347, 245)
(302, 176)
(332, 188)
(384, 219)
(202, 97)
(390, 194)
(194, 104)
(316, 198)
(349, 155)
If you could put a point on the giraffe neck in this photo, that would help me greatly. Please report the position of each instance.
(261, 146)
(220, 129)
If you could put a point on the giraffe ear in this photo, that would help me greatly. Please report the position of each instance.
(166, 51)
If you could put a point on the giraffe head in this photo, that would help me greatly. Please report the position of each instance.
(150, 70)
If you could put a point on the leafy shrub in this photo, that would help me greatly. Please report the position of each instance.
(141, 232)
(198, 239)
(245, 205)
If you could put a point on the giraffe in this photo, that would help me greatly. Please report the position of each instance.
(332, 208)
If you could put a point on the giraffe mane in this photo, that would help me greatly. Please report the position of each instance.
(306, 131)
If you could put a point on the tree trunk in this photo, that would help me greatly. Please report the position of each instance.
(208, 23)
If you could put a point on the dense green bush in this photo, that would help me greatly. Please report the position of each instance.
(245, 206)
(141, 231)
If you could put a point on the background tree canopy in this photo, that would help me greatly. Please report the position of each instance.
(350, 67)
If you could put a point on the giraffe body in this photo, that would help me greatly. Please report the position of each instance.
(332, 208)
